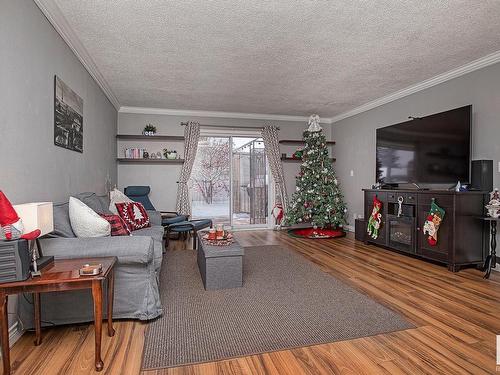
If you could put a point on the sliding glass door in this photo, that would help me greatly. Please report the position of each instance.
(229, 182)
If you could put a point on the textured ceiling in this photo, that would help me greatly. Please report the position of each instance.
(277, 57)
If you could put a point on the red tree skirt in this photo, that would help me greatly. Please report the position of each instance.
(317, 233)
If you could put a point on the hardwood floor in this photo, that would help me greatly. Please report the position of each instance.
(457, 317)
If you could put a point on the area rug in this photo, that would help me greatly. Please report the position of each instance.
(285, 302)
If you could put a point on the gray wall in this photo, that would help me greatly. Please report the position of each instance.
(32, 168)
(355, 136)
(162, 178)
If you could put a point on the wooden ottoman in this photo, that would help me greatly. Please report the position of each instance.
(221, 267)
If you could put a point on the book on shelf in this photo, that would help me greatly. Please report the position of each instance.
(134, 153)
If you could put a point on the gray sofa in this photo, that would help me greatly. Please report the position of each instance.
(136, 272)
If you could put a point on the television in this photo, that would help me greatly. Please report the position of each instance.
(434, 149)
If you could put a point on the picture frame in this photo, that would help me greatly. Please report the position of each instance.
(68, 117)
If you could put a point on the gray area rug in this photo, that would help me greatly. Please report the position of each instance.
(286, 302)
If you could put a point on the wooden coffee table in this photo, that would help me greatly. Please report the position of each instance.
(62, 275)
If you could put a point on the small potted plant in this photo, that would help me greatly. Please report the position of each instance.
(171, 155)
(149, 129)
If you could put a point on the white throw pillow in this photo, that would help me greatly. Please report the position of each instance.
(85, 221)
(116, 196)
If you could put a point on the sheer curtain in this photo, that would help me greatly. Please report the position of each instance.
(272, 148)
(191, 137)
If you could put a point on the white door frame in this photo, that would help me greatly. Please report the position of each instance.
(213, 131)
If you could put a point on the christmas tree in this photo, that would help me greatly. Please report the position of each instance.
(317, 199)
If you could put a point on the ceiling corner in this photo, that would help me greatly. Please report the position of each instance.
(54, 15)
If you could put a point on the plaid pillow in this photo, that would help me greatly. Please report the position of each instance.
(133, 214)
(118, 226)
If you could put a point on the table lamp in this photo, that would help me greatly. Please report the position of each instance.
(38, 215)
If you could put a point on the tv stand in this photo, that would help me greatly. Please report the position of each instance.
(462, 239)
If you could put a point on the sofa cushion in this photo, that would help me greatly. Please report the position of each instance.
(104, 199)
(62, 224)
(118, 226)
(94, 202)
(134, 215)
(116, 196)
(155, 232)
(85, 221)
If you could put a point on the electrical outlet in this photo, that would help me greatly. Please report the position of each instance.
(352, 171)
(499, 167)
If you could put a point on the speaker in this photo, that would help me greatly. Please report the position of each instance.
(482, 175)
(15, 261)
(360, 229)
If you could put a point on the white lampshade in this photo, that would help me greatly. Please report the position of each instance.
(38, 215)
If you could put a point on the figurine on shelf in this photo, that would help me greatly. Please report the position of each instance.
(149, 130)
(170, 155)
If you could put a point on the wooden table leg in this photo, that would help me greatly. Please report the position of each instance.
(5, 334)
(37, 318)
(111, 295)
(491, 258)
(97, 296)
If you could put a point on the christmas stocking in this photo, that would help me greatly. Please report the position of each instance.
(375, 219)
(432, 223)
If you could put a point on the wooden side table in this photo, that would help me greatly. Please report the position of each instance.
(62, 275)
(491, 259)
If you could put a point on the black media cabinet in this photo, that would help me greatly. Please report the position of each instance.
(462, 237)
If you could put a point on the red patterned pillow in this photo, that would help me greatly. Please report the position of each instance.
(133, 214)
(118, 226)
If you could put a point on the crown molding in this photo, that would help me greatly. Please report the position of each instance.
(217, 114)
(454, 73)
(54, 15)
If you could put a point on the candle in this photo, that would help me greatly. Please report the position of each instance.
(219, 233)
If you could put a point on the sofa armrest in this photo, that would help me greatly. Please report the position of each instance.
(128, 249)
(154, 217)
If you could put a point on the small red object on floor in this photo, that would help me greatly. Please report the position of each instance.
(317, 233)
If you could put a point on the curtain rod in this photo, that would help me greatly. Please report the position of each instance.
(230, 126)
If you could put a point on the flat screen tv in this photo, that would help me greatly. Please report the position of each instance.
(429, 150)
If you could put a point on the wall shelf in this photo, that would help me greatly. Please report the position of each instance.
(300, 160)
(150, 161)
(150, 137)
(299, 142)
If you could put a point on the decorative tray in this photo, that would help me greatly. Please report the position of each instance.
(91, 269)
(221, 241)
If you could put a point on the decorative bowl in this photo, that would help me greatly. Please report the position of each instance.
(171, 155)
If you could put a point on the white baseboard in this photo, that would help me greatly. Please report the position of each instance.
(349, 228)
(15, 333)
